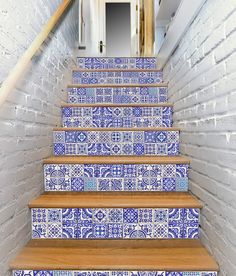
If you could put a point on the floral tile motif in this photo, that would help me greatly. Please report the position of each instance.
(115, 223)
(118, 95)
(77, 142)
(183, 223)
(117, 77)
(113, 177)
(112, 117)
(116, 63)
(111, 273)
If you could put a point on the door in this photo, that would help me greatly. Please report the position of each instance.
(118, 28)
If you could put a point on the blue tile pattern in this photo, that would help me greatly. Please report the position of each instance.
(115, 223)
(137, 143)
(111, 273)
(118, 95)
(112, 117)
(113, 177)
(116, 63)
(117, 77)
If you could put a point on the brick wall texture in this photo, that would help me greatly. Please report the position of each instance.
(202, 85)
(31, 111)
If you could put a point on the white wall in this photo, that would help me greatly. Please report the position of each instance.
(202, 85)
(28, 116)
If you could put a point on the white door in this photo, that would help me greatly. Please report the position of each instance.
(118, 28)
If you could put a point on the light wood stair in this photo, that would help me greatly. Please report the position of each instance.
(117, 129)
(153, 255)
(117, 160)
(164, 85)
(118, 105)
(116, 200)
(115, 70)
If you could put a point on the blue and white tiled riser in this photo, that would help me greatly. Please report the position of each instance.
(115, 223)
(117, 77)
(113, 177)
(119, 95)
(122, 117)
(110, 273)
(138, 143)
(116, 63)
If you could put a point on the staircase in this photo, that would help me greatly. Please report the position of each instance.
(116, 199)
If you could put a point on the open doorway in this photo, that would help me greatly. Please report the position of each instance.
(118, 25)
(118, 29)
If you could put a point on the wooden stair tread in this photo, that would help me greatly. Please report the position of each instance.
(117, 129)
(116, 85)
(116, 70)
(166, 255)
(117, 160)
(118, 105)
(115, 200)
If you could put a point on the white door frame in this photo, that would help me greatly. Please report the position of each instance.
(134, 23)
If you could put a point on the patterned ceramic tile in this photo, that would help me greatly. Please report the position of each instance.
(115, 223)
(111, 117)
(125, 95)
(77, 142)
(116, 63)
(117, 77)
(113, 177)
(183, 223)
(111, 273)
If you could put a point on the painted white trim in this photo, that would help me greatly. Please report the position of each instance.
(183, 18)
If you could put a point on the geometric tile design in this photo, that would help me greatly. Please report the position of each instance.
(110, 273)
(116, 177)
(137, 143)
(117, 77)
(119, 95)
(112, 117)
(115, 223)
(116, 63)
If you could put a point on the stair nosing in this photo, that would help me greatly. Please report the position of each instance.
(116, 160)
(105, 246)
(116, 200)
(116, 105)
(77, 69)
(164, 85)
(116, 129)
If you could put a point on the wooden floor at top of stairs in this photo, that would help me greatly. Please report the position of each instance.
(117, 160)
(153, 255)
(116, 200)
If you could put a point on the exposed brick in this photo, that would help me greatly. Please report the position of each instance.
(30, 113)
(205, 108)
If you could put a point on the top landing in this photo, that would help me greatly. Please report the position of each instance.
(147, 63)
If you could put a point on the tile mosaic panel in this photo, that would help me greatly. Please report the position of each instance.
(119, 95)
(117, 77)
(112, 117)
(113, 177)
(115, 223)
(116, 63)
(137, 143)
(111, 273)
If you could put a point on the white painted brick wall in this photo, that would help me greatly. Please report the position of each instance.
(30, 113)
(202, 84)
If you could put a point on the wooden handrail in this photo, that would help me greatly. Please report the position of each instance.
(25, 60)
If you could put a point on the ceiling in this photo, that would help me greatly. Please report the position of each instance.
(166, 9)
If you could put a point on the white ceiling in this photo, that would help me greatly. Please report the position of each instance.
(166, 9)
